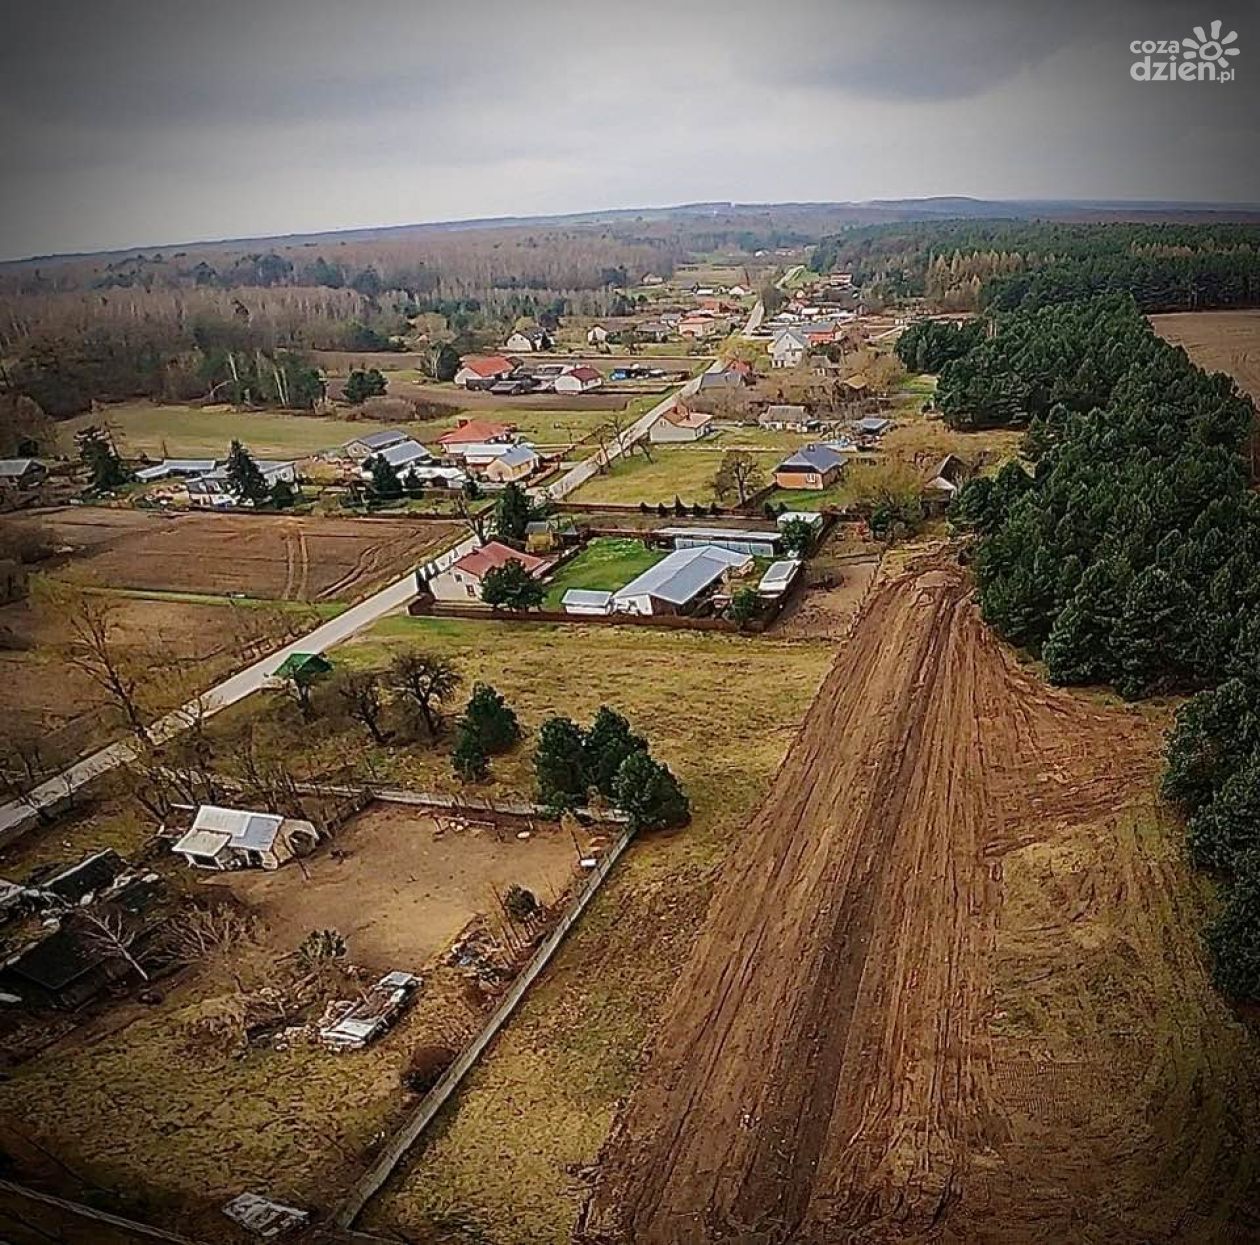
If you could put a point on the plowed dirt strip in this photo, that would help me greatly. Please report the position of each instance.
(825, 1071)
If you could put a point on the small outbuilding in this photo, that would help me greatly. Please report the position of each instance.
(779, 577)
(757, 542)
(371, 443)
(587, 601)
(813, 466)
(233, 838)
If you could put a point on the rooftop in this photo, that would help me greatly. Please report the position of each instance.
(812, 457)
(493, 555)
(381, 440)
(473, 430)
(682, 575)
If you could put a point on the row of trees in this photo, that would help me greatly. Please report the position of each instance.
(608, 759)
(1130, 555)
(1004, 264)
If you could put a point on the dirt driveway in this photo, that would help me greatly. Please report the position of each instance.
(938, 997)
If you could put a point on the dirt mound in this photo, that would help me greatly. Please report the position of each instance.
(844, 1058)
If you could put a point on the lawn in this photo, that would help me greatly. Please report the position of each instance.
(538, 426)
(197, 432)
(683, 471)
(838, 494)
(605, 564)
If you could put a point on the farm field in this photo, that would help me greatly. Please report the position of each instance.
(300, 1121)
(206, 432)
(969, 1002)
(278, 558)
(684, 471)
(605, 564)
(1220, 341)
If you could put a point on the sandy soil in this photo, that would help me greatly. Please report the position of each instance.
(1220, 341)
(272, 557)
(880, 1035)
(402, 893)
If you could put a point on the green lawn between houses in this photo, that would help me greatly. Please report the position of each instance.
(606, 564)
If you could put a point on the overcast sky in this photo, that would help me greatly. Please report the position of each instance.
(145, 122)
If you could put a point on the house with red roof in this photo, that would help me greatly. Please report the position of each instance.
(476, 432)
(580, 379)
(462, 580)
(481, 373)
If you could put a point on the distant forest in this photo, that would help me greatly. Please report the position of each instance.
(1002, 265)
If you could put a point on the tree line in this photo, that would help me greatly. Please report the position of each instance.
(1130, 554)
(1005, 264)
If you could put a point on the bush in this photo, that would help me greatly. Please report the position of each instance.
(489, 718)
(649, 794)
(469, 756)
(425, 1068)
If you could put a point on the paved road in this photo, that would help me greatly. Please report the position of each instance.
(16, 815)
(578, 475)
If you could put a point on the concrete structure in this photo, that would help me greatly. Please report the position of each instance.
(232, 838)
(678, 581)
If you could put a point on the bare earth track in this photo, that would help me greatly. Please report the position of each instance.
(854, 1053)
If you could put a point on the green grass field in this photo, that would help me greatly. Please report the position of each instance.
(684, 471)
(605, 564)
(839, 494)
(195, 432)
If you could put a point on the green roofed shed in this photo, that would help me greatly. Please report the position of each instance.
(303, 665)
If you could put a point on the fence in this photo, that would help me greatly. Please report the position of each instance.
(420, 608)
(371, 1182)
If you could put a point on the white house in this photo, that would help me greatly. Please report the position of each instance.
(596, 335)
(788, 348)
(481, 373)
(678, 580)
(579, 379)
(518, 463)
(234, 838)
(784, 417)
(462, 580)
(678, 425)
(527, 341)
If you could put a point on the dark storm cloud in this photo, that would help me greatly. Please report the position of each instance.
(154, 121)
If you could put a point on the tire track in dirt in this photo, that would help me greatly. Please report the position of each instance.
(825, 1070)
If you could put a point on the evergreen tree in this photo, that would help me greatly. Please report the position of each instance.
(488, 716)
(245, 481)
(511, 587)
(282, 494)
(513, 512)
(444, 362)
(361, 385)
(469, 757)
(385, 481)
(560, 764)
(106, 470)
(649, 794)
(607, 743)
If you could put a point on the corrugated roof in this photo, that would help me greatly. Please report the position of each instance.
(243, 827)
(381, 440)
(517, 456)
(404, 452)
(17, 467)
(682, 575)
